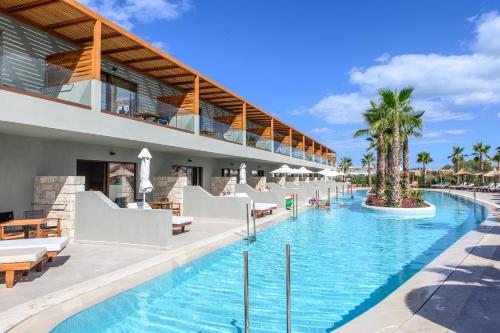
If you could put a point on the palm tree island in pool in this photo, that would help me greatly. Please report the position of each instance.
(391, 122)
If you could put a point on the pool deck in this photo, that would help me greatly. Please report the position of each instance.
(459, 291)
(86, 273)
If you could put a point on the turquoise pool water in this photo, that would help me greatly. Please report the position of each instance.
(344, 260)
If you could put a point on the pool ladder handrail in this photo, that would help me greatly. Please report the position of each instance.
(288, 291)
(251, 238)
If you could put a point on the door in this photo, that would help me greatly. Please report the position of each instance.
(193, 174)
(114, 179)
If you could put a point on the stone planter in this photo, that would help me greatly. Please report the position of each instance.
(405, 213)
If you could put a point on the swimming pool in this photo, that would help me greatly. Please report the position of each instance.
(344, 261)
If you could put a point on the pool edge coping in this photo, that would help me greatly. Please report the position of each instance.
(46, 312)
(393, 312)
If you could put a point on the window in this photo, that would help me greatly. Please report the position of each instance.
(118, 95)
(226, 172)
(257, 173)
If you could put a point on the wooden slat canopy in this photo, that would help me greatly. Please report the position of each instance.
(74, 22)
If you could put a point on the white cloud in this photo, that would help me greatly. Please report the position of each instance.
(487, 32)
(444, 84)
(323, 131)
(129, 12)
(441, 133)
(161, 45)
(341, 109)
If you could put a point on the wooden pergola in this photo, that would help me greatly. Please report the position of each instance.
(95, 37)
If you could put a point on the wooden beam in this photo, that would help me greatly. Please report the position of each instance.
(244, 117)
(214, 95)
(30, 5)
(103, 37)
(56, 26)
(173, 76)
(96, 51)
(134, 61)
(122, 49)
(196, 103)
(186, 81)
(159, 68)
(272, 131)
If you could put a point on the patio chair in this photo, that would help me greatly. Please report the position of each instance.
(259, 209)
(24, 259)
(46, 230)
(11, 232)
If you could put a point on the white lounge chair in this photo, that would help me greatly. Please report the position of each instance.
(180, 222)
(13, 260)
(259, 209)
(52, 245)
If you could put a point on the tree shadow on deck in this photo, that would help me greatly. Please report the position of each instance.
(469, 301)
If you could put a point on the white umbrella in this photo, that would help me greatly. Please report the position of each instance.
(324, 172)
(243, 173)
(283, 169)
(145, 185)
(304, 171)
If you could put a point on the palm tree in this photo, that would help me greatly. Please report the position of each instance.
(498, 150)
(496, 158)
(424, 158)
(367, 161)
(411, 125)
(395, 103)
(375, 118)
(345, 164)
(480, 150)
(456, 157)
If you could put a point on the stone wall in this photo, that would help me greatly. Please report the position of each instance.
(278, 180)
(220, 186)
(170, 187)
(257, 182)
(56, 196)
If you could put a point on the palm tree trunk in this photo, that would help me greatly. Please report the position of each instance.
(369, 175)
(380, 185)
(394, 175)
(406, 165)
(424, 170)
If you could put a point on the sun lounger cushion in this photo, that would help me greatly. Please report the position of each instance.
(181, 219)
(265, 206)
(52, 244)
(31, 254)
(241, 195)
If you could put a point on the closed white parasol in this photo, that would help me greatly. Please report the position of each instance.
(243, 173)
(145, 185)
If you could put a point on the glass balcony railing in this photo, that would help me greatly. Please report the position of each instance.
(281, 148)
(256, 141)
(27, 73)
(125, 102)
(218, 130)
(309, 157)
(318, 159)
(297, 153)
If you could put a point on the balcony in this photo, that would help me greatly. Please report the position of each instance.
(281, 148)
(218, 130)
(259, 142)
(309, 157)
(127, 103)
(318, 159)
(297, 153)
(23, 73)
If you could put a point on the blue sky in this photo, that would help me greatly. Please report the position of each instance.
(317, 64)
